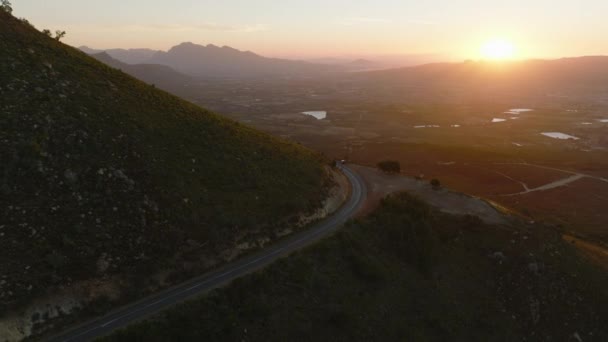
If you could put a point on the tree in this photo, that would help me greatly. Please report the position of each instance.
(47, 32)
(5, 5)
(59, 34)
(390, 166)
(435, 183)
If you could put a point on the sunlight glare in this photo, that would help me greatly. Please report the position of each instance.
(497, 49)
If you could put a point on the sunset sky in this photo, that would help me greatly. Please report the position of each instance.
(322, 28)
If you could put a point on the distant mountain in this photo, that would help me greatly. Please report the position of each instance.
(591, 70)
(378, 62)
(329, 60)
(362, 62)
(160, 75)
(129, 56)
(215, 61)
(88, 50)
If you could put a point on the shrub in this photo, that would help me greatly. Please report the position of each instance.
(435, 183)
(389, 166)
(5, 5)
(59, 35)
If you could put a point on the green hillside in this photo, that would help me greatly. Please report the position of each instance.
(405, 273)
(102, 174)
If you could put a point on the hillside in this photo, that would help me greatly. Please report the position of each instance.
(106, 178)
(407, 272)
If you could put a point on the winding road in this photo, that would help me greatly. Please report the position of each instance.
(124, 316)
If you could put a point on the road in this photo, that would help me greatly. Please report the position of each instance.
(557, 184)
(124, 316)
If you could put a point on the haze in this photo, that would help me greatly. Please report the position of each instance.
(315, 28)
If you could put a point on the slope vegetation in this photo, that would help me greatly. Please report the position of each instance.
(102, 174)
(407, 272)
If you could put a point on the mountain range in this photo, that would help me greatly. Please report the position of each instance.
(588, 70)
(214, 61)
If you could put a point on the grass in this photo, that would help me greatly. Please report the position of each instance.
(407, 272)
(100, 167)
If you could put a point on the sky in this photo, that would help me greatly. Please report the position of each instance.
(453, 29)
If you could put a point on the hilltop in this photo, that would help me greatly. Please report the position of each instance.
(107, 180)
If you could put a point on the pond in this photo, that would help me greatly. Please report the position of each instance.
(427, 126)
(559, 135)
(517, 111)
(317, 114)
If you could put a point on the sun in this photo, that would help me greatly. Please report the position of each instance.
(498, 49)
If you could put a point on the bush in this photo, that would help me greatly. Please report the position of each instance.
(5, 5)
(435, 183)
(59, 35)
(389, 166)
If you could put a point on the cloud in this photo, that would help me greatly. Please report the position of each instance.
(363, 20)
(182, 28)
(351, 21)
(421, 22)
(213, 27)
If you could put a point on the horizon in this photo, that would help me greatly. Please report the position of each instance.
(300, 30)
(432, 59)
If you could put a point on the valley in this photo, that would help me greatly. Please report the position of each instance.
(445, 132)
(376, 172)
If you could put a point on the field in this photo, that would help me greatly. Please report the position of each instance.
(469, 153)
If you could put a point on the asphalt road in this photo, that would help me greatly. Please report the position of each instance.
(124, 316)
